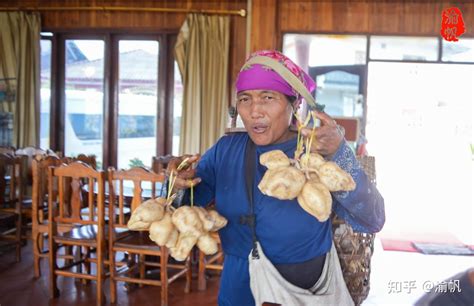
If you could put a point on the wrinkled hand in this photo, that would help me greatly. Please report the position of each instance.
(328, 136)
(185, 176)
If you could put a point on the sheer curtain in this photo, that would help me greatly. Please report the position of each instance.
(19, 74)
(202, 53)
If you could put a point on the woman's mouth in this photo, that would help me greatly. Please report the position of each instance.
(259, 128)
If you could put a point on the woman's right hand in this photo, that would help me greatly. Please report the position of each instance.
(185, 175)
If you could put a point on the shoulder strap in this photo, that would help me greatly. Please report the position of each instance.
(249, 169)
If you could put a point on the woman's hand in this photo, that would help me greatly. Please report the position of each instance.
(184, 172)
(327, 137)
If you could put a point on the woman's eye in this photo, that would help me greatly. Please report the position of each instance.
(268, 98)
(244, 100)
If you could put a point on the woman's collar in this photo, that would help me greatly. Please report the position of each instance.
(285, 146)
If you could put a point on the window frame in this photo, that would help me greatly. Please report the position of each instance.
(52, 96)
(369, 60)
(111, 38)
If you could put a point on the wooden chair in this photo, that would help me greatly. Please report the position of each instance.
(28, 154)
(160, 163)
(31, 153)
(40, 166)
(137, 243)
(91, 160)
(10, 200)
(88, 233)
(8, 150)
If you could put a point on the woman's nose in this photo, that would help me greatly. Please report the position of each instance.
(256, 110)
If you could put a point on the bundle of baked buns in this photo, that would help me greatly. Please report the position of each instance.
(310, 179)
(178, 229)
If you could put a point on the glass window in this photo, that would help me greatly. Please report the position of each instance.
(86, 126)
(84, 98)
(458, 51)
(325, 50)
(404, 48)
(177, 109)
(138, 102)
(132, 126)
(339, 92)
(45, 91)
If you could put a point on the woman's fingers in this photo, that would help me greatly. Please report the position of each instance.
(174, 163)
(326, 138)
(325, 119)
(182, 162)
(181, 183)
(183, 172)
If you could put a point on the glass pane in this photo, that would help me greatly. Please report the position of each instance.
(325, 50)
(84, 98)
(404, 48)
(339, 91)
(45, 105)
(138, 102)
(177, 108)
(459, 51)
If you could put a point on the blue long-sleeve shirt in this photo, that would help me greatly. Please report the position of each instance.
(286, 232)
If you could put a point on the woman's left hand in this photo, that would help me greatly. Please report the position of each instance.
(328, 136)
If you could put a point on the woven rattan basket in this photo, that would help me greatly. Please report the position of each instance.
(355, 249)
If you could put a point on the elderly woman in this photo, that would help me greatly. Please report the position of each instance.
(294, 242)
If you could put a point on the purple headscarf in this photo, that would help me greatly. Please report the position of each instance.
(258, 76)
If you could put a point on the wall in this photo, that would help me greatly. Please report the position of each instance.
(138, 21)
(270, 18)
(413, 17)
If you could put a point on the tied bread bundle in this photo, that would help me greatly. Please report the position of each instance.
(178, 229)
(308, 177)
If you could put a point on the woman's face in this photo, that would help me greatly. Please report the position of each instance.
(266, 115)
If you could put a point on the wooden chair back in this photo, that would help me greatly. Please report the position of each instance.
(70, 179)
(8, 150)
(30, 153)
(39, 205)
(40, 168)
(120, 194)
(12, 180)
(11, 199)
(160, 163)
(91, 160)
